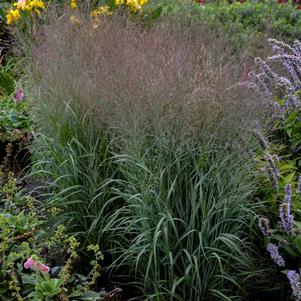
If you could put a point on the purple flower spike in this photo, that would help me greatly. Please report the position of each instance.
(264, 226)
(274, 253)
(294, 279)
(19, 95)
(287, 219)
(273, 171)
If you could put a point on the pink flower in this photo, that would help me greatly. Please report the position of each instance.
(202, 2)
(19, 95)
(32, 264)
(29, 263)
(43, 267)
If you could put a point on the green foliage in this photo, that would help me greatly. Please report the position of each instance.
(244, 23)
(186, 220)
(14, 119)
(77, 157)
(13, 116)
(24, 236)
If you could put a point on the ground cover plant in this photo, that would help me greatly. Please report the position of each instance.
(26, 246)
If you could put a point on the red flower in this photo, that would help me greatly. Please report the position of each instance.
(202, 2)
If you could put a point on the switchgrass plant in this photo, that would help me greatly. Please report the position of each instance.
(187, 221)
(146, 147)
(74, 162)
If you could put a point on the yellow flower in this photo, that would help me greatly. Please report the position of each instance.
(13, 16)
(134, 5)
(9, 19)
(142, 2)
(40, 4)
(119, 2)
(73, 4)
(21, 4)
(37, 11)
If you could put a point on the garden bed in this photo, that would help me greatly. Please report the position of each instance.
(145, 154)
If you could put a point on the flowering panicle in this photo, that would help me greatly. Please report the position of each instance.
(280, 47)
(264, 82)
(274, 253)
(294, 279)
(287, 219)
(272, 170)
(257, 84)
(264, 226)
(297, 47)
(265, 68)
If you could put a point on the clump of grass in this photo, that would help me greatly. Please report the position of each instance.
(146, 148)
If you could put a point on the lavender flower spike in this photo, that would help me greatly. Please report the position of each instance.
(294, 279)
(264, 226)
(273, 171)
(288, 194)
(274, 253)
(287, 219)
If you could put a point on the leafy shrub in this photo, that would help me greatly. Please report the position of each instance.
(247, 23)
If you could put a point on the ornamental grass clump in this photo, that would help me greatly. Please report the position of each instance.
(146, 150)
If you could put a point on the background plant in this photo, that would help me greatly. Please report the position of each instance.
(281, 226)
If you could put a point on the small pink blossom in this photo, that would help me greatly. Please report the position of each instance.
(19, 95)
(32, 264)
(43, 267)
(29, 263)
